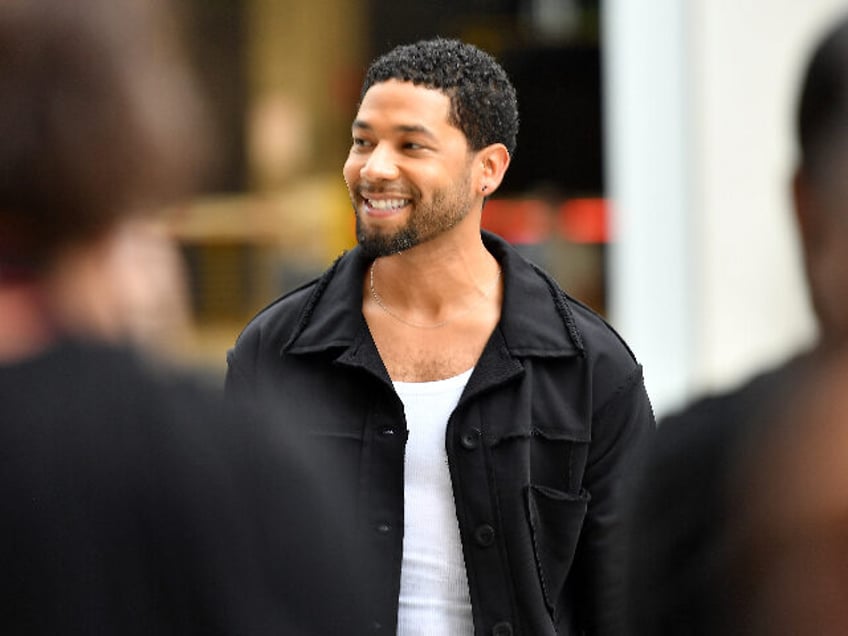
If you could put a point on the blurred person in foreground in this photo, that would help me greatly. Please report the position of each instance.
(483, 419)
(130, 502)
(678, 558)
(788, 543)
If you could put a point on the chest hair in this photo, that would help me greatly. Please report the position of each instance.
(427, 355)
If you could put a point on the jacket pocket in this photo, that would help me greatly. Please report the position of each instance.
(556, 519)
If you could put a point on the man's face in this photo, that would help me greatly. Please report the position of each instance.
(826, 249)
(408, 170)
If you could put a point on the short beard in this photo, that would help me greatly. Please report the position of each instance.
(377, 245)
(447, 209)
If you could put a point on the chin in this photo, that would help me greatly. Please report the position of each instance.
(376, 244)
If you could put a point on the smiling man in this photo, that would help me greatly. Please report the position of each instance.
(482, 420)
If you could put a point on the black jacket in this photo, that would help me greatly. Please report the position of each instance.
(680, 568)
(538, 445)
(136, 503)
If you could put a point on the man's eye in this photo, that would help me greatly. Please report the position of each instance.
(359, 142)
(411, 145)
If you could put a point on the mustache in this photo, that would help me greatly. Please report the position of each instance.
(363, 188)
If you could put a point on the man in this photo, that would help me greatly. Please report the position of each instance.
(484, 419)
(680, 563)
(130, 502)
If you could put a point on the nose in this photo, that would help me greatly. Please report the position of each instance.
(380, 165)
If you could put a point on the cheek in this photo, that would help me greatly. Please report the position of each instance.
(837, 257)
(839, 284)
(830, 278)
(351, 169)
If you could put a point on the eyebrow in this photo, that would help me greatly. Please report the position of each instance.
(403, 128)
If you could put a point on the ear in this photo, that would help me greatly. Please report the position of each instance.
(492, 162)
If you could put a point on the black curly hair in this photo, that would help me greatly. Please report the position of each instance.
(483, 102)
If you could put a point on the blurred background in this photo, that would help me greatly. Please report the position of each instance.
(651, 176)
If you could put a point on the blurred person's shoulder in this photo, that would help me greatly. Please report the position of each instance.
(141, 452)
(114, 394)
(678, 503)
(716, 420)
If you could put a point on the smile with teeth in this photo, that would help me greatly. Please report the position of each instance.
(387, 204)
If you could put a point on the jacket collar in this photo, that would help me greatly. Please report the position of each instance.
(536, 318)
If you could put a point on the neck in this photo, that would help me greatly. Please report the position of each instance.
(434, 285)
(25, 329)
(74, 294)
(436, 273)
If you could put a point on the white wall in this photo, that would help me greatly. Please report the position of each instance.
(706, 281)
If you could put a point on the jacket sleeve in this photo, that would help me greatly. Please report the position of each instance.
(621, 428)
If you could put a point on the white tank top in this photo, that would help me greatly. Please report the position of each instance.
(434, 596)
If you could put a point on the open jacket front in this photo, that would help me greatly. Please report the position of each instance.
(551, 419)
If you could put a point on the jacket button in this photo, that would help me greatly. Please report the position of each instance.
(502, 629)
(384, 528)
(387, 432)
(484, 535)
(470, 440)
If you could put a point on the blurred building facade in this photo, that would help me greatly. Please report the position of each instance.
(706, 279)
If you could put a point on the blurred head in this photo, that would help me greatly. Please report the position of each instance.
(433, 136)
(97, 122)
(821, 181)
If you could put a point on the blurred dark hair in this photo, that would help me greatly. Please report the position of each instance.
(823, 105)
(483, 102)
(98, 119)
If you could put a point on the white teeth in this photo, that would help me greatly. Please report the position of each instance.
(387, 204)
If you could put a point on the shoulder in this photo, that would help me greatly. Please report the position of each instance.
(712, 425)
(556, 311)
(327, 297)
(738, 403)
(601, 341)
(280, 316)
(608, 361)
(592, 335)
(114, 409)
(612, 364)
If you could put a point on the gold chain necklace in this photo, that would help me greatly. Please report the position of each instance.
(484, 295)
